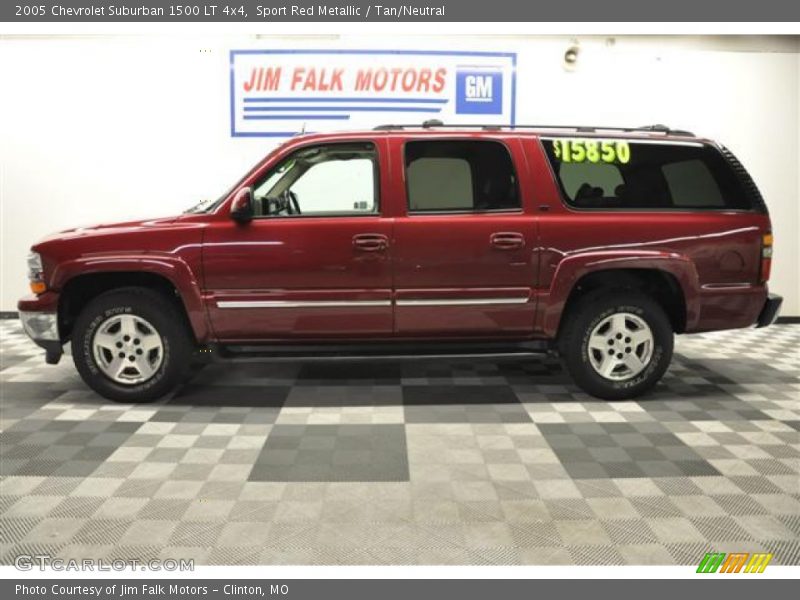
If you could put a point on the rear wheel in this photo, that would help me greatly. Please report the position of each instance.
(131, 345)
(616, 344)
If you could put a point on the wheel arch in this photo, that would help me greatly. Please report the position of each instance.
(669, 280)
(79, 286)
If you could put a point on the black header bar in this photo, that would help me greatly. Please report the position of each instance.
(410, 11)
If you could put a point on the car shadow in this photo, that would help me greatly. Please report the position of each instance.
(378, 383)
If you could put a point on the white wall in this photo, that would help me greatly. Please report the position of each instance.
(108, 128)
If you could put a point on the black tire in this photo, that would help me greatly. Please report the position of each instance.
(162, 314)
(591, 310)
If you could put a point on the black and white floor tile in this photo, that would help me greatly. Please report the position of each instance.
(415, 463)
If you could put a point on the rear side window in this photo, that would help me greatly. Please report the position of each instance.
(621, 174)
(603, 179)
(460, 176)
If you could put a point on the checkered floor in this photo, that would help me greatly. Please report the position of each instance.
(419, 463)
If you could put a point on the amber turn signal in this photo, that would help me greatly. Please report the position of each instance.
(38, 287)
(766, 257)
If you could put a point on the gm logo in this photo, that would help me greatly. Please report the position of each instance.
(479, 92)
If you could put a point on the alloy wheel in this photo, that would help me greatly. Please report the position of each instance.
(620, 346)
(128, 349)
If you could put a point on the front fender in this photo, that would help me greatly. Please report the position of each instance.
(172, 268)
(572, 268)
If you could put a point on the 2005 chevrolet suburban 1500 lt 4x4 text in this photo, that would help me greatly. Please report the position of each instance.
(598, 244)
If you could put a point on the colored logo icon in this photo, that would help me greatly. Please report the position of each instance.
(479, 92)
(735, 562)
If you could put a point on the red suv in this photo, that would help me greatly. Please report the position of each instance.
(595, 243)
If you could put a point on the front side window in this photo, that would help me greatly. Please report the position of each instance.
(624, 174)
(335, 179)
(460, 176)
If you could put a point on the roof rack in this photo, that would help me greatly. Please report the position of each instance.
(578, 128)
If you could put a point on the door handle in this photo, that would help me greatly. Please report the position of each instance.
(507, 240)
(370, 242)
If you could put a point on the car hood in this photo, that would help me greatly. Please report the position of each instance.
(140, 223)
(104, 228)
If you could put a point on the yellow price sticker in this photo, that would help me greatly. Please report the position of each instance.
(593, 151)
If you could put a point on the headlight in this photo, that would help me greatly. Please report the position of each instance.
(36, 273)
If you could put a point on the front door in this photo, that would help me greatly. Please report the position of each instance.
(465, 249)
(315, 262)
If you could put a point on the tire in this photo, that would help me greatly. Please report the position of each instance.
(590, 343)
(160, 343)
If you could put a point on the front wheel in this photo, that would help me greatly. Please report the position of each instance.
(131, 345)
(616, 345)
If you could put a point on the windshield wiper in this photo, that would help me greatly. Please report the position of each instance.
(199, 207)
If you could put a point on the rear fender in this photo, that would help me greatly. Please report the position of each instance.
(572, 268)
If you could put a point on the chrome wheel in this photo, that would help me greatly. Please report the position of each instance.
(128, 349)
(620, 346)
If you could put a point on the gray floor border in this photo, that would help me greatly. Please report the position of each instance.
(735, 587)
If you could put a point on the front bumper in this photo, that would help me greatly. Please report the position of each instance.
(769, 313)
(42, 328)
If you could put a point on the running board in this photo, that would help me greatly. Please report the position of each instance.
(381, 352)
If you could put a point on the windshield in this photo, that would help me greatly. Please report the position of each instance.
(209, 205)
(203, 205)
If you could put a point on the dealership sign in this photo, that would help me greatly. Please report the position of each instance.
(277, 93)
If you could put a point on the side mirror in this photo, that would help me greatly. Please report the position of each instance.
(242, 206)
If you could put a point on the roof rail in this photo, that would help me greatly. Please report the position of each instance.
(578, 128)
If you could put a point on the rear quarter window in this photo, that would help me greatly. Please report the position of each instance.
(691, 184)
(624, 174)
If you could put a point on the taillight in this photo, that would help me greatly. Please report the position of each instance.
(766, 257)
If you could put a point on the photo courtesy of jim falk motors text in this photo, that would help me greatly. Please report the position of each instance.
(128, 590)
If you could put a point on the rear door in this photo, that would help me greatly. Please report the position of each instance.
(465, 245)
